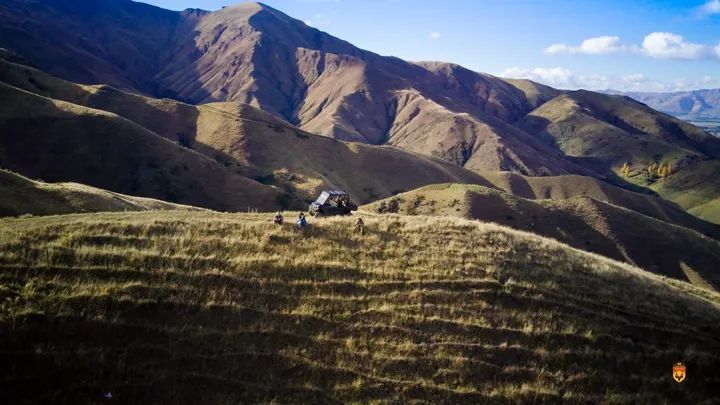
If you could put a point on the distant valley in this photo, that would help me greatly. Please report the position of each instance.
(699, 107)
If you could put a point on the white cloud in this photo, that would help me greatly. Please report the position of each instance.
(557, 76)
(661, 45)
(564, 78)
(672, 46)
(709, 8)
(633, 78)
(434, 35)
(593, 46)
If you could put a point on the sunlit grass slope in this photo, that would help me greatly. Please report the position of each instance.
(582, 222)
(21, 196)
(609, 131)
(219, 308)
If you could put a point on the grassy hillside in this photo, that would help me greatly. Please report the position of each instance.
(617, 129)
(582, 222)
(536, 94)
(261, 148)
(565, 187)
(246, 142)
(21, 195)
(695, 188)
(251, 53)
(220, 308)
(606, 132)
(59, 141)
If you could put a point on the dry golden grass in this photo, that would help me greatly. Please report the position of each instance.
(225, 308)
(585, 223)
(22, 196)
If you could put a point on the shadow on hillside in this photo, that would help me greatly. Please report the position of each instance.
(562, 225)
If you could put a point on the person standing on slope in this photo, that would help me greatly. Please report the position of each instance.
(278, 219)
(301, 221)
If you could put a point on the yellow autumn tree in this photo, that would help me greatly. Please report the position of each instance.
(652, 170)
(625, 169)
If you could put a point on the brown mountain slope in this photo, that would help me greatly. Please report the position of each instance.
(256, 145)
(566, 187)
(251, 53)
(327, 86)
(581, 222)
(21, 195)
(254, 54)
(248, 144)
(535, 93)
(91, 41)
(618, 129)
(59, 141)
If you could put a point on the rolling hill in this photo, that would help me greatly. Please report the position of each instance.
(21, 196)
(261, 148)
(606, 132)
(281, 165)
(580, 221)
(565, 187)
(253, 54)
(59, 141)
(418, 309)
(322, 84)
(223, 156)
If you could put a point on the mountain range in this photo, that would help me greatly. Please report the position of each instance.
(693, 104)
(231, 156)
(255, 56)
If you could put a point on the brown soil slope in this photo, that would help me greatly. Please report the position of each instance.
(261, 146)
(581, 222)
(255, 54)
(252, 53)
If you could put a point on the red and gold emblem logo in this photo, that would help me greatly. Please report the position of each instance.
(679, 371)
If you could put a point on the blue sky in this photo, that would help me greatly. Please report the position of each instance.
(640, 45)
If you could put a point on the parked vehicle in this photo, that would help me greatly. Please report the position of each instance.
(332, 203)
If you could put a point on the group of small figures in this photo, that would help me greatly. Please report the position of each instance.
(302, 222)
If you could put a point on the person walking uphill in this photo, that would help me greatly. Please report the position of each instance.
(360, 226)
